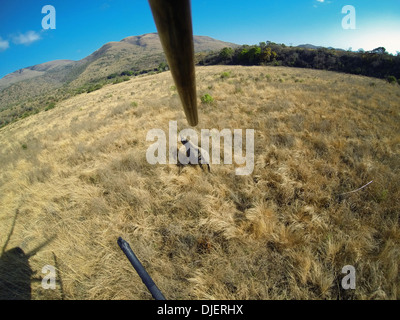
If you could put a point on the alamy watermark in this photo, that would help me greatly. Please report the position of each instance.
(349, 20)
(191, 153)
(49, 280)
(49, 20)
(349, 280)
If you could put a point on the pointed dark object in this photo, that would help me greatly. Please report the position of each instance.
(147, 280)
(174, 24)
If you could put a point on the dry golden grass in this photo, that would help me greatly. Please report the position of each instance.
(79, 172)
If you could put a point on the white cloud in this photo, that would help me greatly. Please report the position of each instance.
(4, 44)
(27, 38)
(320, 1)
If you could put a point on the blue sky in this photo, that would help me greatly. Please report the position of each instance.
(84, 26)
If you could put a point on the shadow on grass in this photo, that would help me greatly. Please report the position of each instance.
(15, 275)
(15, 271)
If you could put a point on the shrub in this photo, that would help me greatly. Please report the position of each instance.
(80, 90)
(225, 75)
(207, 98)
(391, 79)
(50, 106)
(121, 79)
(127, 73)
(94, 87)
(112, 76)
(163, 66)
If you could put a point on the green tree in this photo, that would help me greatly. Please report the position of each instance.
(268, 55)
(262, 45)
(380, 50)
(254, 55)
(226, 54)
(243, 56)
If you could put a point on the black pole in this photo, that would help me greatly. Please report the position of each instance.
(173, 19)
(125, 247)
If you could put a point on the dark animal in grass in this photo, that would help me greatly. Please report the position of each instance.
(196, 155)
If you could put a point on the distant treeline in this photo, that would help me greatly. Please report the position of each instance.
(375, 63)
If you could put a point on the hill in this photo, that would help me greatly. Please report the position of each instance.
(112, 57)
(34, 71)
(31, 89)
(75, 178)
(311, 46)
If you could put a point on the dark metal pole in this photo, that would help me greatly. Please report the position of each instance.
(125, 247)
(173, 20)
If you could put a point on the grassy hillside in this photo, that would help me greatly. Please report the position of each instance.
(76, 178)
(31, 90)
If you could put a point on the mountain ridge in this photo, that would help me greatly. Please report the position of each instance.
(34, 88)
(145, 43)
